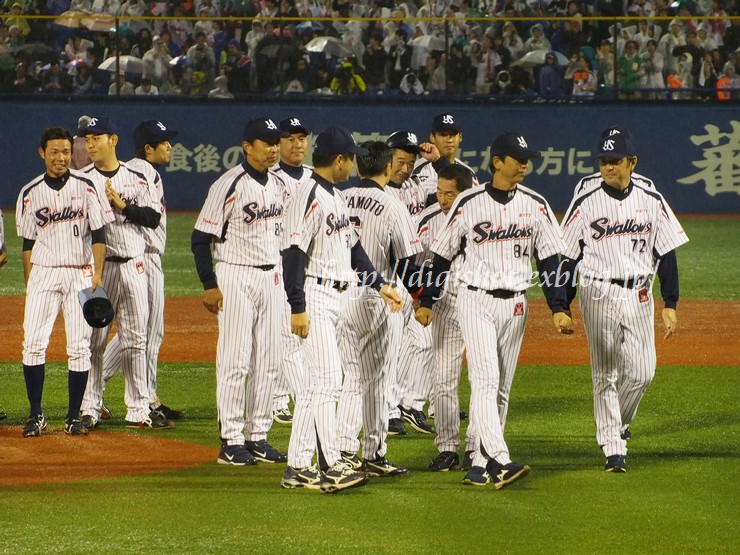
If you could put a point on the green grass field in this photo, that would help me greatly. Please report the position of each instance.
(679, 495)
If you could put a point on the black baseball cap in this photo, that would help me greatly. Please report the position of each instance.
(294, 125)
(514, 145)
(405, 140)
(615, 142)
(152, 132)
(263, 129)
(96, 307)
(445, 122)
(337, 140)
(98, 126)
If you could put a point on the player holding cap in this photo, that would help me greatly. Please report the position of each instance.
(152, 149)
(129, 193)
(243, 219)
(619, 232)
(61, 217)
(322, 254)
(502, 226)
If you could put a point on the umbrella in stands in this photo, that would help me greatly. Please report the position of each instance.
(274, 50)
(430, 42)
(102, 22)
(537, 58)
(127, 64)
(312, 25)
(71, 19)
(330, 46)
(36, 51)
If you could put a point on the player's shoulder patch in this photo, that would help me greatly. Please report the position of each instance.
(310, 197)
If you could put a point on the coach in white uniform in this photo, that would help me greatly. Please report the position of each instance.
(243, 219)
(620, 231)
(501, 226)
(61, 217)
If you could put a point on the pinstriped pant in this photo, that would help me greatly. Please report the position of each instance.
(369, 344)
(448, 347)
(493, 337)
(248, 345)
(621, 344)
(126, 285)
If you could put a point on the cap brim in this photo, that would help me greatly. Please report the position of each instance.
(293, 130)
(358, 151)
(81, 132)
(613, 154)
(446, 128)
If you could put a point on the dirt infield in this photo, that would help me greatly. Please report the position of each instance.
(706, 336)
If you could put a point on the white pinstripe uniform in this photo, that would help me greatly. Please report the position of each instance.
(426, 174)
(411, 193)
(317, 222)
(447, 343)
(125, 281)
(291, 362)
(594, 180)
(155, 243)
(59, 221)
(246, 217)
(372, 335)
(501, 231)
(618, 232)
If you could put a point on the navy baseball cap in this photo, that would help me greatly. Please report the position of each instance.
(263, 129)
(405, 140)
(96, 307)
(152, 132)
(615, 142)
(445, 122)
(514, 145)
(294, 125)
(98, 126)
(337, 140)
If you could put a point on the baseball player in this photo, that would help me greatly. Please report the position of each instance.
(322, 255)
(501, 227)
(61, 217)
(372, 335)
(447, 341)
(292, 173)
(125, 280)
(243, 219)
(152, 148)
(621, 231)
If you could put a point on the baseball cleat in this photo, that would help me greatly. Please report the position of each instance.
(296, 478)
(34, 426)
(3, 415)
(105, 413)
(74, 428)
(351, 459)
(237, 455)
(89, 421)
(467, 461)
(382, 467)
(463, 415)
(503, 475)
(626, 434)
(477, 476)
(396, 427)
(155, 421)
(168, 413)
(282, 416)
(616, 464)
(264, 452)
(445, 461)
(341, 476)
(416, 419)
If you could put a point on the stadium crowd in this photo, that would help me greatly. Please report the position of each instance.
(228, 48)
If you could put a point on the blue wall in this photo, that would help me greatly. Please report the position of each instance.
(691, 151)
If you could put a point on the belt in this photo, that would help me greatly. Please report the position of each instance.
(340, 286)
(630, 283)
(498, 293)
(118, 259)
(264, 267)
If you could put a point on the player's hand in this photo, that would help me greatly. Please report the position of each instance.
(669, 321)
(391, 297)
(423, 315)
(113, 197)
(97, 281)
(429, 152)
(213, 300)
(563, 323)
(3, 257)
(300, 324)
